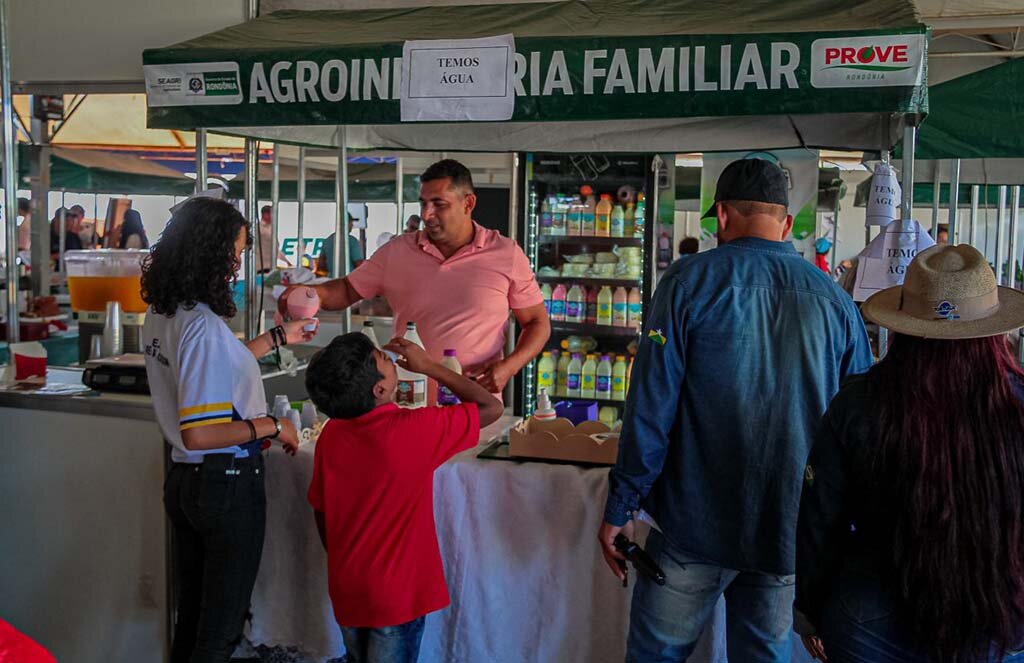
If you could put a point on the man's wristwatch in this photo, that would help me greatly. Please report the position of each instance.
(277, 426)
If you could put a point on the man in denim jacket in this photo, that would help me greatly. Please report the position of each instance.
(744, 348)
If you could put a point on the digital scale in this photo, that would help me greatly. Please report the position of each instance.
(124, 373)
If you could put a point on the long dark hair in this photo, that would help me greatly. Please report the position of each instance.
(951, 466)
(194, 261)
(132, 225)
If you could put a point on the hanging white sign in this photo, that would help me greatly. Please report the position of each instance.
(883, 263)
(885, 197)
(458, 80)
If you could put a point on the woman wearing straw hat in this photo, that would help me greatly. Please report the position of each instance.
(910, 545)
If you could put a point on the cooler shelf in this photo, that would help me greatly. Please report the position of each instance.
(614, 283)
(590, 240)
(592, 330)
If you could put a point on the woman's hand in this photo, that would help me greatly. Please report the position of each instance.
(295, 332)
(289, 437)
(814, 647)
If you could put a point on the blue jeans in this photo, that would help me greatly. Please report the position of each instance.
(858, 626)
(666, 622)
(388, 644)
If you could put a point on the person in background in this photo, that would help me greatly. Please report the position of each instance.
(374, 466)
(821, 248)
(72, 242)
(325, 262)
(211, 408)
(457, 280)
(87, 234)
(688, 246)
(133, 233)
(910, 544)
(706, 448)
(942, 235)
(25, 227)
(412, 224)
(265, 260)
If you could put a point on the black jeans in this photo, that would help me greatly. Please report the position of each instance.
(217, 511)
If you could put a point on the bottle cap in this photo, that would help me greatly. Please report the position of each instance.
(410, 325)
(367, 323)
(449, 353)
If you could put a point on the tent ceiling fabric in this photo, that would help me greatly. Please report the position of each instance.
(116, 162)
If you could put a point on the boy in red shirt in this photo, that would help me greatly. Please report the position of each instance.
(372, 490)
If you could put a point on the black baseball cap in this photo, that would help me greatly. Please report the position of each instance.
(756, 180)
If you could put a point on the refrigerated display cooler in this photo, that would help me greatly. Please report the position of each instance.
(587, 225)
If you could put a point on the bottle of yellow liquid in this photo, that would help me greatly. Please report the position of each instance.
(588, 389)
(605, 300)
(562, 375)
(619, 379)
(546, 372)
(603, 217)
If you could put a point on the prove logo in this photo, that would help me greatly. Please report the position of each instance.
(878, 61)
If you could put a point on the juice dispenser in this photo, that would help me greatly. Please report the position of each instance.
(106, 275)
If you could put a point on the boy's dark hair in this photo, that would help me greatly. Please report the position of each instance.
(340, 378)
(459, 175)
(24, 206)
(689, 246)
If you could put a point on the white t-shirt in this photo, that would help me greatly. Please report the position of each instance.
(199, 374)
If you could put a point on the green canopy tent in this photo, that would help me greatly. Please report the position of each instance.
(96, 171)
(367, 183)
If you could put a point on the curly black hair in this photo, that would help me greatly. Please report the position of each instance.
(194, 261)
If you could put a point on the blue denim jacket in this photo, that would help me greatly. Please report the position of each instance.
(743, 349)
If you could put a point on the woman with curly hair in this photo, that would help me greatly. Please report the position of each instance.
(910, 542)
(210, 405)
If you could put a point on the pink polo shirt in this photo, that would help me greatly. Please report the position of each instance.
(460, 303)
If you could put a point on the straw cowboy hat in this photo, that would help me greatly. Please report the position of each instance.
(949, 292)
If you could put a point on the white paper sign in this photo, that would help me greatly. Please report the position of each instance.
(883, 263)
(458, 80)
(884, 198)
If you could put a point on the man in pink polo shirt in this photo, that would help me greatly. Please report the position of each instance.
(456, 280)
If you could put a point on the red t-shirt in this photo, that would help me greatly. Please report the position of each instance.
(373, 479)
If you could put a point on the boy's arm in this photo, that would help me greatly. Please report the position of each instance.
(415, 359)
(321, 526)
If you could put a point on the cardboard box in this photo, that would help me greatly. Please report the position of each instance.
(559, 439)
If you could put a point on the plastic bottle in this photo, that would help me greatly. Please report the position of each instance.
(557, 204)
(634, 309)
(590, 211)
(603, 217)
(630, 220)
(412, 387)
(588, 386)
(608, 415)
(444, 394)
(368, 332)
(664, 250)
(544, 411)
(558, 303)
(574, 222)
(591, 317)
(581, 344)
(546, 373)
(575, 305)
(619, 379)
(618, 222)
(638, 218)
(604, 378)
(562, 376)
(545, 217)
(545, 292)
(604, 306)
(620, 316)
(574, 375)
(629, 373)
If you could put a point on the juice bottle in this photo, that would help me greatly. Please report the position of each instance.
(562, 375)
(603, 217)
(574, 222)
(630, 220)
(575, 305)
(590, 210)
(620, 314)
(558, 303)
(619, 379)
(573, 377)
(412, 387)
(444, 394)
(591, 317)
(368, 332)
(546, 372)
(557, 204)
(638, 218)
(545, 292)
(588, 387)
(545, 217)
(634, 309)
(618, 222)
(604, 306)
(604, 378)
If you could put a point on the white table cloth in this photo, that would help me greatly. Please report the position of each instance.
(524, 570)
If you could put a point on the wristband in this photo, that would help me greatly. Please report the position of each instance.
(252, 429)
